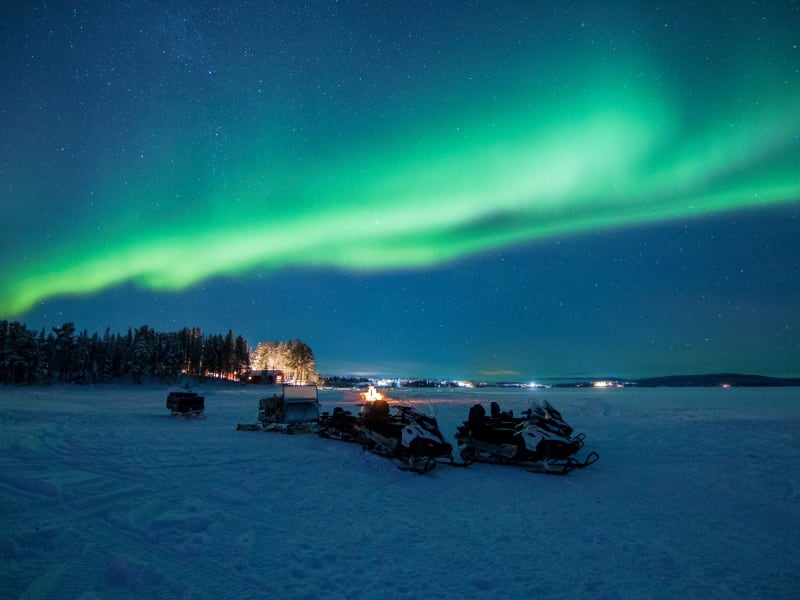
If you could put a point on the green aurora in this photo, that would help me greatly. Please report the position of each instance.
(601, 156)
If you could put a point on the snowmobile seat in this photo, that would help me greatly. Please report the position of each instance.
(378, 410)
(477, 419)
(343, 419)
(495, 410)
(477, 415)
(501, 416)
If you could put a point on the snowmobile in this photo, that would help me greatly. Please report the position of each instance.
(406, 435)
(540, 440)
(341, 425)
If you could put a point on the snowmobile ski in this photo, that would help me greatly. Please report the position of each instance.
(562, 466)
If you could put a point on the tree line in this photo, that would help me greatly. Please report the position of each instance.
(66, 356)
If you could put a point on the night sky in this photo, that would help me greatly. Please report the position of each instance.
(482, 190)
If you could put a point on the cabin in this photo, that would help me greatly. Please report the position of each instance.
(263, 377)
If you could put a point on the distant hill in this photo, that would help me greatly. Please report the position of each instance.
(717, 379)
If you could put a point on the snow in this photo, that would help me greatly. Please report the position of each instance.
(103, 494)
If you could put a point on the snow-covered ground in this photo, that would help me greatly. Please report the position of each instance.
(104, 495)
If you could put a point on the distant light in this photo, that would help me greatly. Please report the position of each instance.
(605, 384)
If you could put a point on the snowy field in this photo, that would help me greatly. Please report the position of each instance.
(104, 495)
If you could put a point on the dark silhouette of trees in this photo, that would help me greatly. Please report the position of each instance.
(241, 354)
(65, 356)
(191, 350)
(18, 352)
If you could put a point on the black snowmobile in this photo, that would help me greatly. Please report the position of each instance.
(540, 440)
(341, 425)
(407, 436)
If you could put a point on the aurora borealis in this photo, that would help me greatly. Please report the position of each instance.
(191, 157)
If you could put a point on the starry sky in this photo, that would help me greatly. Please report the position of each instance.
(479, 190)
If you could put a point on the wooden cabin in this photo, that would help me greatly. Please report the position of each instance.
(263, 377)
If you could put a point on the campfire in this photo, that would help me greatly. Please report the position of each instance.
(371, 395)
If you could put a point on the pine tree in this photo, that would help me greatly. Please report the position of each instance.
(142, 353)
(19, 353)
(242, 359)
(4, 350)
(228, 362)
(42, 373)
(64, 357)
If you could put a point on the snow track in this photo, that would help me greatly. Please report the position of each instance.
(103, 494)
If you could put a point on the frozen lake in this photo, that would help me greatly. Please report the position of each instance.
(104, 495)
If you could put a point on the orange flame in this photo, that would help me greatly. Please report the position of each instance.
(372, 394)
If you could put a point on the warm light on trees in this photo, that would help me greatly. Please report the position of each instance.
(294, 358)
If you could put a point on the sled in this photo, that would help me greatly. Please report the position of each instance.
(289, 409)
(185, 404)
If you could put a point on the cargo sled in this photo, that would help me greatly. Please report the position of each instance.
(288, 408)
(185, 403)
